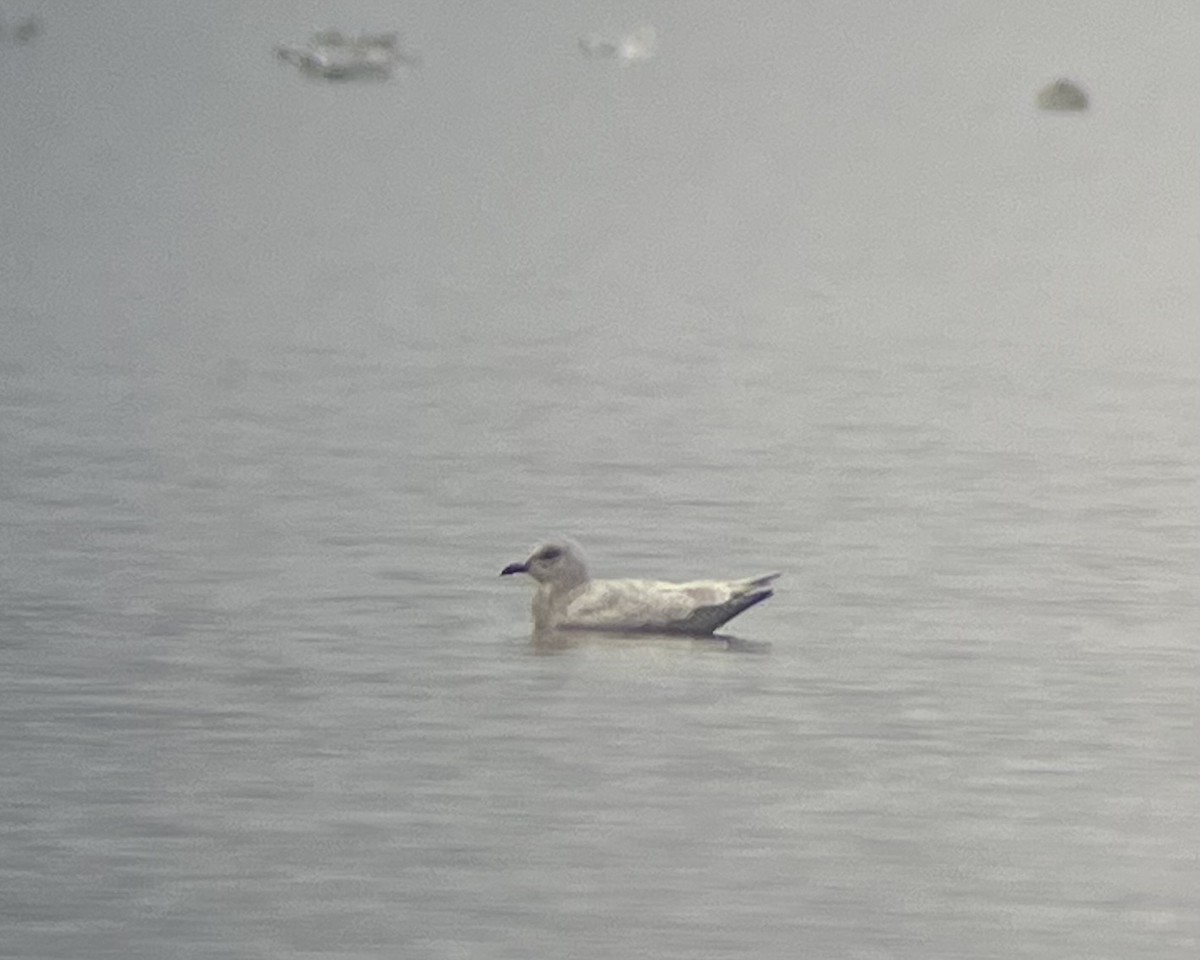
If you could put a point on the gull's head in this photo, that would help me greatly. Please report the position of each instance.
(557, 562)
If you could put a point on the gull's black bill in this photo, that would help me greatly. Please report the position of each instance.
(515, 568)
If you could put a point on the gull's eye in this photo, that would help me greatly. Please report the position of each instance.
(551, 553)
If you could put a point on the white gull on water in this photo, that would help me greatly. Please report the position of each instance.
(567, 598)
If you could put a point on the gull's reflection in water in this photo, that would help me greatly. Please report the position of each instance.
(548, 642)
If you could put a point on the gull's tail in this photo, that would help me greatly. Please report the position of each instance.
(751, 584)
(743, 594)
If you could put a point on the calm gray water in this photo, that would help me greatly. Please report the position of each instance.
(291, 370)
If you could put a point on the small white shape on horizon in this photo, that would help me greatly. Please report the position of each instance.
(639, 44)
(332, 55)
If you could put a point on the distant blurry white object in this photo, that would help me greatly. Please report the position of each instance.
(1062, 95)
(640, 44)
(332, 55)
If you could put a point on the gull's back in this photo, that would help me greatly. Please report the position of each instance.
(699, 607)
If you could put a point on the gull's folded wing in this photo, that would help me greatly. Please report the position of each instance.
(690, 608)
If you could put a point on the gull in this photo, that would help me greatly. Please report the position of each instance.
(641, 44)
(334, 55)
(567, 598)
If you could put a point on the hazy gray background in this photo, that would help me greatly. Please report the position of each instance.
(289, 370)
